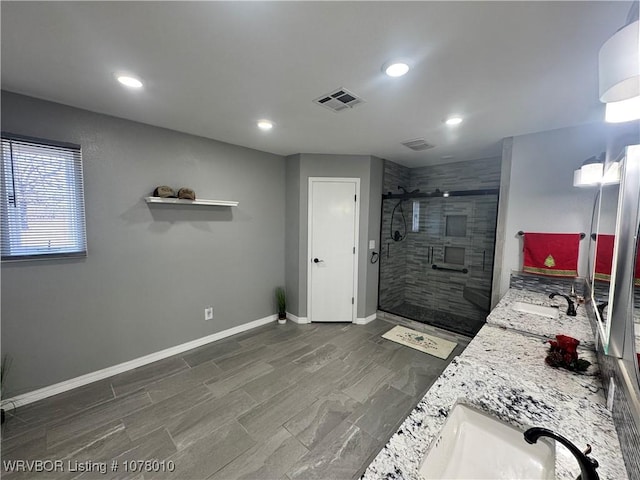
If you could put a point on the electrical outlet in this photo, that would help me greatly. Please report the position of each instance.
(208, 313)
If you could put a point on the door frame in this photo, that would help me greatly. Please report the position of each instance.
(356, 234)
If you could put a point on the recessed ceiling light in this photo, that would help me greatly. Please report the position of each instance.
(395, 69)
(455, 120)
(129, 81)
(265, 125)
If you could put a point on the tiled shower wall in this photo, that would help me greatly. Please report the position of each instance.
(405, 271)
(393, 255)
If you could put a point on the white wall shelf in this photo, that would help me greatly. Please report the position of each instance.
(202, 202)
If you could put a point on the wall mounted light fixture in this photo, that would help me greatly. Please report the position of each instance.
(590, 172)
(619, 71)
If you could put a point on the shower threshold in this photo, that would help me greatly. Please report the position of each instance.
(445, 320)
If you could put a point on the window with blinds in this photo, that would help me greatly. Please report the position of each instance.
(42, 199)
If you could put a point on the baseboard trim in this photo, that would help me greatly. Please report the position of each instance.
(296, 319)
(72, 383)
(365, 320)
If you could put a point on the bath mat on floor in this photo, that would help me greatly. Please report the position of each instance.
(420, 341)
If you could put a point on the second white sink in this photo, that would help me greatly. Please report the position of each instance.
(549, 312)
(475, 445)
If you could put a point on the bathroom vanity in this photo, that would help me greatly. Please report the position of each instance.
(503, 373)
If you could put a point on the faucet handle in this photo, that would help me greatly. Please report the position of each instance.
(593, 461)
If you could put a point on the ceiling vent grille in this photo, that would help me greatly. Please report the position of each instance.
(339, 100)
(418, 145)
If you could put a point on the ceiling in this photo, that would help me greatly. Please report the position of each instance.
(214, 68)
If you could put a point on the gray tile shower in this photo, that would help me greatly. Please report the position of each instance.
(436, 258)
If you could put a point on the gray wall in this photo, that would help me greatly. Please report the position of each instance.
(292, 231)
(150, 270)
(375, 200)
(299, 169)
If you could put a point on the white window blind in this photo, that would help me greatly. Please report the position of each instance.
(42, 199)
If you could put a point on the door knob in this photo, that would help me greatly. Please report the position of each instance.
(315, 260)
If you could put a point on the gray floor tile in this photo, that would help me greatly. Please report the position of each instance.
(415, 380)
(267, 460)
(96, 416)
(262, 420)
(325, 380)
(210, 454)
(157, 445)
(206, 407)
(371, 380)
(287, 356)
(189, 427)
(266, 386)
(243, 357)
(182, 381)
(340, 456)
(383, 412)
(158, 414)
(212, 351)
(60, 406)
(313, 424)
(92, 448)
(74, 445)
(230, 381)
(133, 380)
(29, 445)
(317, 358)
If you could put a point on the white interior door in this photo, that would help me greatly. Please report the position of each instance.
(333, 228)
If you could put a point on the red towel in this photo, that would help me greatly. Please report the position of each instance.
(637, 274)
(554, 254)
(604, 257)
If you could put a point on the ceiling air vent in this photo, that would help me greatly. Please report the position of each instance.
(418, 144)
(339, 100)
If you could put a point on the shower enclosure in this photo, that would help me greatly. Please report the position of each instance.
(436, 256)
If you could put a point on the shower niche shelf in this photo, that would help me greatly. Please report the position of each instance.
(179, 201)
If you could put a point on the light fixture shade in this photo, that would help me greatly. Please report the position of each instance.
(591, 173)
(612, 174)
(619, 65)
(623, 111)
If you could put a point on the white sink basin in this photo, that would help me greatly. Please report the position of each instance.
(474, 445)
(549, 312)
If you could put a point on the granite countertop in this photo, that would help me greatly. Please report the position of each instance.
(503, 373)
(577, 327)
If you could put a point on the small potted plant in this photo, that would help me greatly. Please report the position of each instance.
(281, 299)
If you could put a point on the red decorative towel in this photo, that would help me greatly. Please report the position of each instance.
(554, 254)
(637, 274)
(604, 257)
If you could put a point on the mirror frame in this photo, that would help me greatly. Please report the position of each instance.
(622, 337)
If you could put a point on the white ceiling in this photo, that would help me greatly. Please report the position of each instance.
(214, 68)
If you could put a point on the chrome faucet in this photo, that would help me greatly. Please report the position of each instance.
(571, 309)
(587, 464)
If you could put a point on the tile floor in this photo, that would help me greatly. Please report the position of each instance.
(278, 402)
